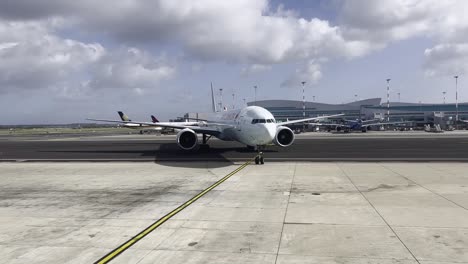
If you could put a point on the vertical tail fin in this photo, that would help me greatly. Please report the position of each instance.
(154, 119)
(213, 100)
(123, 116)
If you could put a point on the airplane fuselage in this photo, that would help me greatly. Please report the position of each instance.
(252, 125)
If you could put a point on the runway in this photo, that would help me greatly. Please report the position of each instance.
(370, 147)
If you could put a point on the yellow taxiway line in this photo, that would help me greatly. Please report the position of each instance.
(114, 253)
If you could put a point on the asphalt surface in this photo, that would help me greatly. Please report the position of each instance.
(308, 149)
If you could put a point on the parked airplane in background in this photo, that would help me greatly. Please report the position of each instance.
(253, 126)
(128, 124)
(142, 128)
(155, 126)
(358, 125)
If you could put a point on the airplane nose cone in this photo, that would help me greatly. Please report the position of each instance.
(269, 132)
(272, 131)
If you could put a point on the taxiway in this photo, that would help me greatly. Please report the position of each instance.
(308, 147)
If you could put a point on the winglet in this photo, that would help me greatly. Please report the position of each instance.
(154, 119)
(213, 101)
(123, 116)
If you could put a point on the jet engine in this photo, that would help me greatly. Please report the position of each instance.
(187, 139)
(284, 136)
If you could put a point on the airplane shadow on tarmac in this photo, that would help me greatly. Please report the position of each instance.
(167, 154)
(170, 154)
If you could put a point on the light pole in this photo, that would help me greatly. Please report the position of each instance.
(255, 98)
(399, 97)
(355, 97)
(303, 104)
(388, 100)
(444, 96)
(244, 101)
(456, 100)
(313, 98)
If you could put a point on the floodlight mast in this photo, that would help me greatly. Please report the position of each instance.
(456, 100)
(303, 104)
(388, 100)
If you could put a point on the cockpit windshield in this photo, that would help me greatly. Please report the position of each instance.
(256, 121)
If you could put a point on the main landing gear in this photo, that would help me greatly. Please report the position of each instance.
(259, 158)
(204, 145)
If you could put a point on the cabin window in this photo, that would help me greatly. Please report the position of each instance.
(262, 121)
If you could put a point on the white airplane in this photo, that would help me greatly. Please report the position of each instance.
(253, 126)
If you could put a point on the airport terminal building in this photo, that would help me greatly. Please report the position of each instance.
(418, 114)
(290, 109)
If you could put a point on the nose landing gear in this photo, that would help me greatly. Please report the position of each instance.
(259, 158)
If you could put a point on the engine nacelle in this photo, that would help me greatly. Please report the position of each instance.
(284, 136)
(187, 139)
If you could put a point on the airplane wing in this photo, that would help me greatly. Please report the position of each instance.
(385, 123)
(306, 119)
(198, 129)
(371, 120)
(330, 125)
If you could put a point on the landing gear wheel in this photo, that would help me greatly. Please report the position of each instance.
(259, 158)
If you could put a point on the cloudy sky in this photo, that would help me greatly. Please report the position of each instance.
(62, 61)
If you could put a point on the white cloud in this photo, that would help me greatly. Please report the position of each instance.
(386, 21)
(311, 73)
(248, 32)
(391, 20)
(447, 59)
(130, 69)
(33, 57)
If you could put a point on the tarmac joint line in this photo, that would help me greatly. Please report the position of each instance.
(126, 245)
